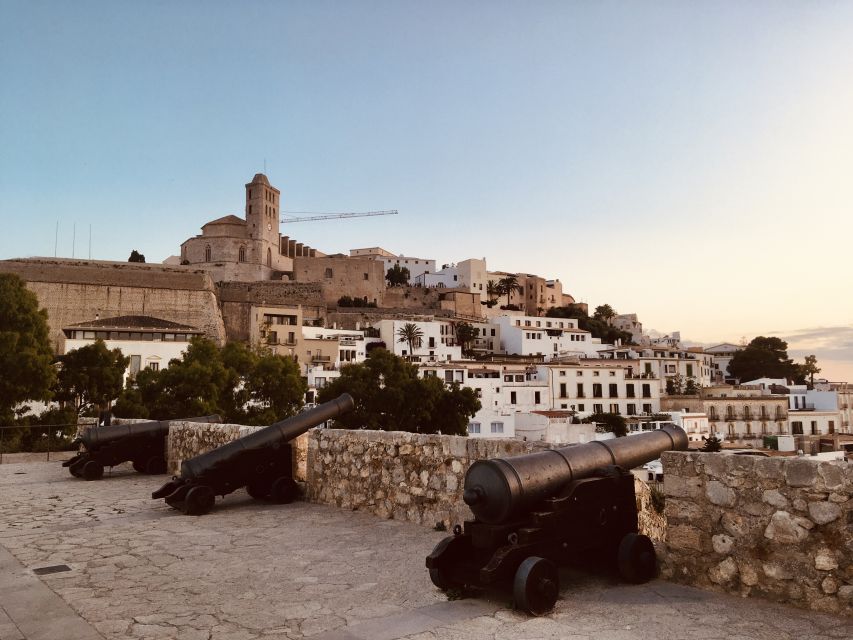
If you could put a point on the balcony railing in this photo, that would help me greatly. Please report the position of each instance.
(321, 358)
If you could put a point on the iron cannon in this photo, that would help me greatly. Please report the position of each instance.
(142, 443)
(260, 461)
(535, 512)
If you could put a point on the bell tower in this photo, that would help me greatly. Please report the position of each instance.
(263, 206)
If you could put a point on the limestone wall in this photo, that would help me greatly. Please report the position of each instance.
(780, 528)
(189, 439)
(413, 477)
(75, 291)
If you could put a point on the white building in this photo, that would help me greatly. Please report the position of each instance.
(417, 267)
(664, 362)
(436, 344)
(602, 386)
(558, 427)
(470, 275)
(694, 424)
(547, 337)
(810, 411)
(722, 355)
(149, 342)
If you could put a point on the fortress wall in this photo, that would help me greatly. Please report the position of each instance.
(77, 291)
(778, 528)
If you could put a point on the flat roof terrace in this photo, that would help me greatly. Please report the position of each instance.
(137, 569)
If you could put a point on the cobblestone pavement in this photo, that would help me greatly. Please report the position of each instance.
(252, 570)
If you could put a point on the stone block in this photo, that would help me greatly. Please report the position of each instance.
(680, 487)
(832, 475)
(774, 498)
(801, 473)
(777, 571)
(825, 560)
(686, 538)
(723, 572)
(824, 512)
(783, 528)
(719, 494)
(722, 543)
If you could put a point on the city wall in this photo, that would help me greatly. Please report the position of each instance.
(779, 528)
(237, 300)
(76, 291)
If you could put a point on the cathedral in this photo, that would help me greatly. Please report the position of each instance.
(233, 248)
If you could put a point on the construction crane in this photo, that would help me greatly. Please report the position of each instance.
(302, 216)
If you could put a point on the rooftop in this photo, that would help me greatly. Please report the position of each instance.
(133, 322)
(137, 569)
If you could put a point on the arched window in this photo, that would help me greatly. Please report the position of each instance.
(731, 429)
(269, 258)
(242, 256)
(207, 253)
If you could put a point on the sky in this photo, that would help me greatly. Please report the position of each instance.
(691, 162)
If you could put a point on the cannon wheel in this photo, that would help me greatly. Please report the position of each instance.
(155, 465)
(441, 580)
(536, 585)
(636, 558)
(199, 500)
(93, 470)
(284, 490)
(258, 489)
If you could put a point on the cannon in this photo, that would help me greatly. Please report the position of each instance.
(142, 443)
(260, 461)
(535, 512)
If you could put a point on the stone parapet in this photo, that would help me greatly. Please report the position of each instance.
(780, 528)
(414, 477)
(189, 439)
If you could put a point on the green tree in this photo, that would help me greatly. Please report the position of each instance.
(276, 388)
(466, 333)
(691, 388)
(411, 334)
(597, 327)
(397, 276)
(712, 444)
(809, 368)
(90, 377)
(135, 256)
(605, 313)
(609, 422)
(129, 404)
(26, 372)
(390, 396)
(763, 358)
(508, 286)
(493, 290)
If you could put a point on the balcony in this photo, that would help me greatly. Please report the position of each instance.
(321, 359)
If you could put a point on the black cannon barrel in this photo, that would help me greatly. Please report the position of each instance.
(95, 437)
(501, 489)
(279, 432)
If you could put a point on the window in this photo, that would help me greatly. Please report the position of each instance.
(537, 398)
(629, 391)
(579, 373)
(647, 408)
(154, 366)
(648, 367)
(328, 273)
(497, 427)
(366, 276)
(598, 408)
(207, 253)
(689, 370)
(580, 407)
(814, 428)
(269, 258)
(580, 390)
(596, 373)
(596, 391)
(242, 254)
(612, 374)
(562, 373)
(512, 398)
(647, 391)
(563, 390)
(614, 390)
(473, 427)
(797, 428)
(614, 408)
(631, 409)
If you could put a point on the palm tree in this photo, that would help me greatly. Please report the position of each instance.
(509, 285)
(412, 334)
(493, 290)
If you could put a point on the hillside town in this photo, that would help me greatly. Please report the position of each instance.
(516, 339)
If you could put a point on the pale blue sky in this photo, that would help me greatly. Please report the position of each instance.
(688, 161)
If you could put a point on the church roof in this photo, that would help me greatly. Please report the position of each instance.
(260, 178)
(133, 322)
(227, 220)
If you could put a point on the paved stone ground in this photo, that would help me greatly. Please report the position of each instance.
(251, 570)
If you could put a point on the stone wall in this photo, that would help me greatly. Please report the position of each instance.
(780, 528)
(413, 477)
(189, 439)
(75, 291)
